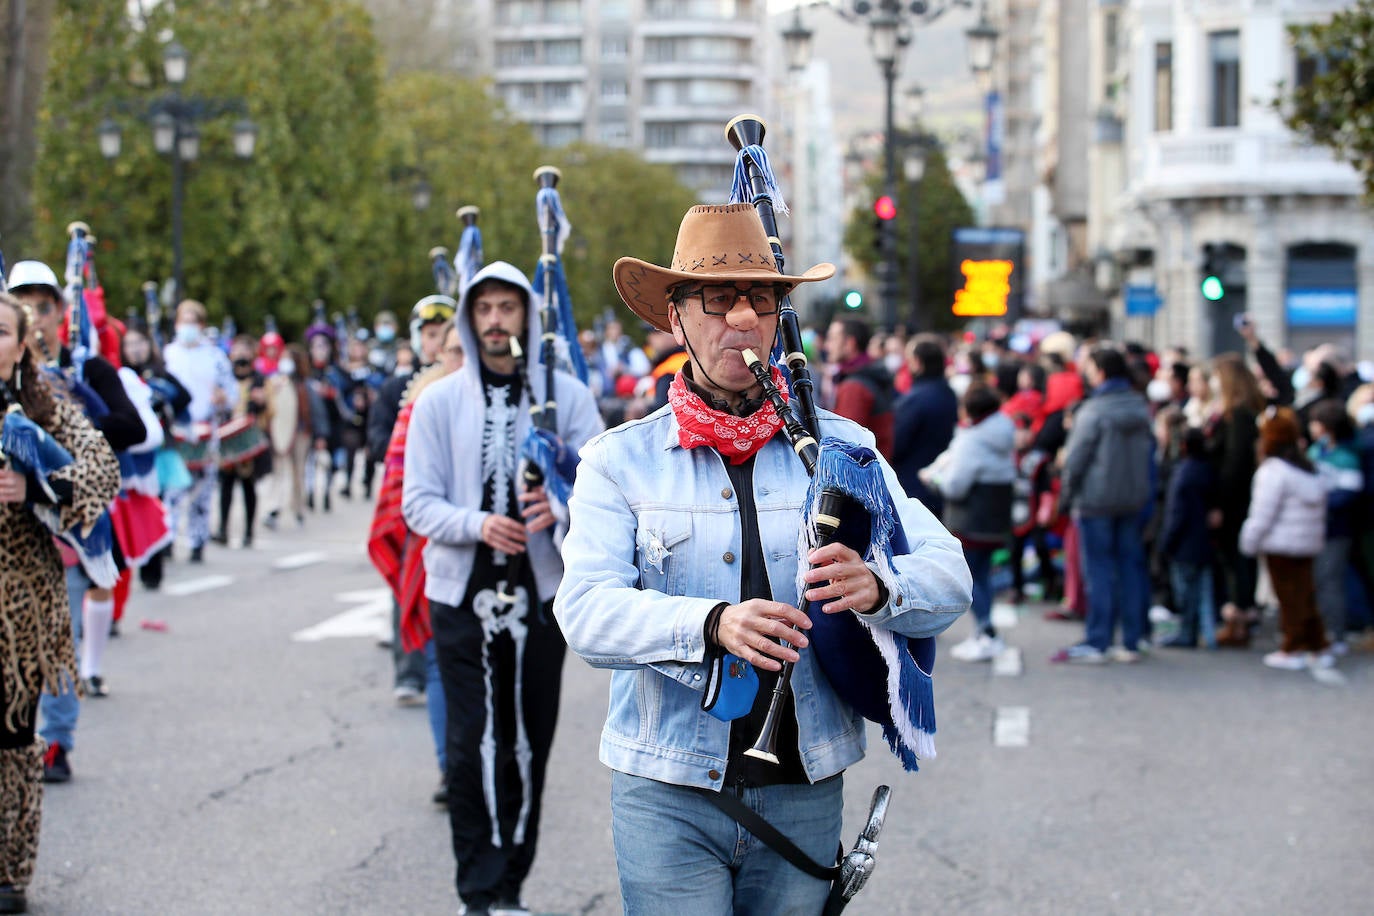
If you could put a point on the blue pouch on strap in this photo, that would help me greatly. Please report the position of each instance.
(731, 686)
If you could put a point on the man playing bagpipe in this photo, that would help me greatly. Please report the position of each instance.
(686, 576)
(501, 660)
(106, 404)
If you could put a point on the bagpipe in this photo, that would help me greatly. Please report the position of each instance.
(544, 459)
(28, 449)
(470, 257)
(883, 675)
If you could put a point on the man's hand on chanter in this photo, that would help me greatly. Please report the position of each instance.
(845, 580)
(750, 630)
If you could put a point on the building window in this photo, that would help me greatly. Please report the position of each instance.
(558, 95)
(515, 54)
(1111, 44)
(660, 136)
(562, 134)
(614, 91)
(1224, 53)
(1308, 67)
(562, 11)
(563, 53)
(618, 10)
(615, 47)
(615, 133)
(1164, 86)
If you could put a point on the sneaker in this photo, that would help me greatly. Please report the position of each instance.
(221, 537)
(408, 695)
(1285, 661)
(197, 554)
(1321, 660)
(1081, 654)
(978, 648)
(440, 796)
(1161, 614)
(1124, 655)
(269, 521)
(509, 908)
(465, 910)
(55, 765)
(95, 686)
(1338, 648)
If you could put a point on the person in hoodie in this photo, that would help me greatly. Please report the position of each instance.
(1106, 483)
(1286, 525)
(1185, 540)
(461, 490)
(976, 475)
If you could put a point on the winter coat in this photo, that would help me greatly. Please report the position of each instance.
(1287, 512)
(975, 475)
(1339, 468)
(1110, 448)
(923, 425)
(1192, 493)
(864, 394)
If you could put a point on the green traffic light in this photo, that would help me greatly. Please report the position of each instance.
(1212, 290)
(853, 299)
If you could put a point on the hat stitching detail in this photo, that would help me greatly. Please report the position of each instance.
(719, 260)
(746, 258)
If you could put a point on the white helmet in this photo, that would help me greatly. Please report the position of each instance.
(34, 273)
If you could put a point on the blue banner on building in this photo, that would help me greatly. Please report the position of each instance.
(993, 137)
(1321, 308)
(1142, 300)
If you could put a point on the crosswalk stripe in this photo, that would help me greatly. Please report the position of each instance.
(1007, 663)
(299, 560)
(196, 586)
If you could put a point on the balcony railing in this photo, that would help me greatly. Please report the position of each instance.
(1238, 161)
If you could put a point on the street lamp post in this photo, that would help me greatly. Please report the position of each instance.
(175, 134)
(890, 29)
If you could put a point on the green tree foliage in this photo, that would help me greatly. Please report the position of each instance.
(1336, 107)
(325, 207)
(267, 235)
(939, 208)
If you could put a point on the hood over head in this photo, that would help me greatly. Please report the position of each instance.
(498, 270)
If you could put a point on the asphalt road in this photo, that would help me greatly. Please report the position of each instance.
(250, 759)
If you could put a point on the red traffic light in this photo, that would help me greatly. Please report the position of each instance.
(885, 207)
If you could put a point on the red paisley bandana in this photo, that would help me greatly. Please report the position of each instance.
(737, 438)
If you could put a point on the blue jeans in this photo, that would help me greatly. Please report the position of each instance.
(434, 702)
(678, 854)
(1193, 588)
(1113, 566)
(979, 560)
(60, 711)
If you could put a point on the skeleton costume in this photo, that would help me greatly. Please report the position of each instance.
(500, 664)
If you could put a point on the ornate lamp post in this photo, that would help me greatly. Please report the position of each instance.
(890, 23)
(174, 118)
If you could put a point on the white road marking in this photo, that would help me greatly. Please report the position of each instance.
(1007, 663)
(1004, 616)
(298, 560)
(196, 586)
(371, 618)
(1011, 728)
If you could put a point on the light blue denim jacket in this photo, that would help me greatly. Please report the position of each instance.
(654, 544)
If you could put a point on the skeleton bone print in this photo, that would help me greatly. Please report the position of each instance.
(496, 616)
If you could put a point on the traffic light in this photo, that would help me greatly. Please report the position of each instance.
(853, 299)
(885, 208)
(1213, 289)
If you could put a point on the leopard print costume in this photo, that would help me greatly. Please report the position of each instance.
(35, 626)
(21, 786)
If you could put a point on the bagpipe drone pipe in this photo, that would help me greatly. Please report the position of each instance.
(544, 459)
(885, 676)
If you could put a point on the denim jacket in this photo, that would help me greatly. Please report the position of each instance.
(655, 543)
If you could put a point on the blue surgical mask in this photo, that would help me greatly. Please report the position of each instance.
(286, 366)
(188, 333)
(386, 333)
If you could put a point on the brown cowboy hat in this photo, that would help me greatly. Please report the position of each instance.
(715, 242)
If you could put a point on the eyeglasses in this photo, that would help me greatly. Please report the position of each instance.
(719, 300)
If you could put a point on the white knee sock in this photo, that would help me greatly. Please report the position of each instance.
(95, 634)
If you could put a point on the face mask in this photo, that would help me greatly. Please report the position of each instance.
(287, 366)
(187, 333)
(376, 359)
(386, 333)
(893, 362)
(1158, 391)
(990, 361)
